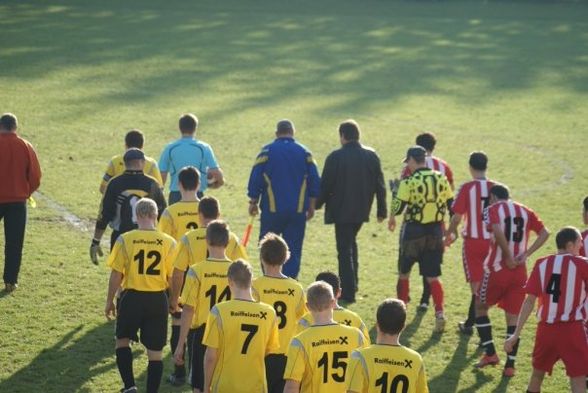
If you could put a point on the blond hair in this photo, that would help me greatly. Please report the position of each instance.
(146, 208)
(319, 296)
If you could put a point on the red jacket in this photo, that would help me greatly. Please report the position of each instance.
(20, 173)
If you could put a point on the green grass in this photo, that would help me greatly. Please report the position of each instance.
(508, 78)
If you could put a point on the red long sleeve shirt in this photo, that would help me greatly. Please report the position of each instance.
(20, 172)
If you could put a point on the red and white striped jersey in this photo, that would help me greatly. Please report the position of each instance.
(472, 198)
(516, 221)
(434, 163)
(584, 249)
(560, 283)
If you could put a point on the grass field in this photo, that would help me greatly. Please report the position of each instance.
(508, 78)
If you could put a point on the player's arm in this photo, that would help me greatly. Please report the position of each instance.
(500, 239)
(328, 180)
(163, 177)
(399, 202)
(313, 181)
(113, 286)
(542, 237)
(181, 259)
(356, 380)
(214, 175)
(421, 384)
(156, 193)
(295, 366)
(526, 310)
(210, 359)
(163, 165)
(185, 323)
(292, 386)
(256, 184)
(451, 232)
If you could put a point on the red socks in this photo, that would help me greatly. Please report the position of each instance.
(402, 288)
(437, 293)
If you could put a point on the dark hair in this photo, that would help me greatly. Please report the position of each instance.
(349, 130)
(426, 140)
(241, 273)
(209, 207)
(273, 250)
(188, 123)
(586, 204)
(330, 278)
(189, 178)
(217, 233)
(134, 138)
(8, 122)
(479, 160)
(391, 316)
(566, 235)
(500, 191)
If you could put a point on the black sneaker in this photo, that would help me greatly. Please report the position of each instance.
(465, 329)
(174, 380)
(423, 307)
(132, 389)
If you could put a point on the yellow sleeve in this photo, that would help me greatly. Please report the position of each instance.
(403, 191)
(108, 174)
(296, 363)
(117, 259)
(255, 293)
(165, 223)
(366, 333)
(356, 379)
(155, 173)
(182, 255)
(303, 323)
(273, 344)
(422, 386)
(169, 259)
(363, 341)
(301, 309)
(191, 288)
(211, 336)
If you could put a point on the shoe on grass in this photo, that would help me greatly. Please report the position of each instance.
(509, 372)
(174, 380)
(488, 360)
(423, 307)
(465, 329)
(132, 389)
(440, 323)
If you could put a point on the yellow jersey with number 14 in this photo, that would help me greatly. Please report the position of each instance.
(179, 218)
(145, 258)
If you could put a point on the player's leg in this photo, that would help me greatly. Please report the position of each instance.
(473, 254)
(275, 364)
(294, 236)
(178, 377)
(127, 324)
(15, 217)
(484, 300)
(430, 262)
(344, 237)
(511, 325)
(511, 303)
(198, 350)
(573, 351)
(424, 303)
(355, 254)
(408, 254)
(536, 381)
(154, 335)
(154, 370)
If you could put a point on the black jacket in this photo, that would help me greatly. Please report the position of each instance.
(352, 175)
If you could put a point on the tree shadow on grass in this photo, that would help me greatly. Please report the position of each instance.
(68, 364)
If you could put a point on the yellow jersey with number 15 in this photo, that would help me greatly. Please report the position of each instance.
(145, 258)
(179, 218)
(340, 315)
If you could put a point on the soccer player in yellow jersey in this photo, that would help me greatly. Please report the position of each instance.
(239, 333)
(318, 357)
(287, 297)
(141, 264)
(116, 166)
(206, 285)
(340, 314)
(387, 366)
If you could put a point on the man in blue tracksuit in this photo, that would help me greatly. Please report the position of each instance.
(284, 184)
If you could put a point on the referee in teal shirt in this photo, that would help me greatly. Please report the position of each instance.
(188, 151)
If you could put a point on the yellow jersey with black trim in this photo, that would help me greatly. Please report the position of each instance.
(179, 218)
(426, 193)
(318, 357)
(340, 315)
(192, 249)
(206, 285)
(145, 258)
(116, 167)
(386, 368)
(287, 297)
(243, 332)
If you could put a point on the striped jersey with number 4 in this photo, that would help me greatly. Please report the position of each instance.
(516, 221)
(382, 368)
(318, 357)
(471, 200)
(179, 218)
(145, 258)
(243, 332)
(560, 283)
(287, 297)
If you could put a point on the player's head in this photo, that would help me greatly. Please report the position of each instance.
(569, 239)
(208, 209)
(273, 250)
(217, 234)
(134, 138)
(189, 178)
(320, 297)
(499, 192)
(333, 280)
(478, 161)
(415, 157)
(239, 275)
(391, 316)
(285, 128)
(134, 159)
(8, 122)
(426, 140)
(188, 124)
(586, 211)
(146, 210)
(349, 131)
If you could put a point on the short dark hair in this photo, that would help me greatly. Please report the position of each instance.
(188, 123)
(189, 178)
(9, 122)
(500, 191)
(426, 140)
(241, 273)
(330, 278)
(209, 207)
(586, 204)
(273, 249)
(217, 233)
(566, 235)
(391, 316)
(134, 138)
(479, 160)
(349, 130)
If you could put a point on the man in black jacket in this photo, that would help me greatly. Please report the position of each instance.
(352, 175)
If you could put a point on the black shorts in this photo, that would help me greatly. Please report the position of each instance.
(275, 364)
(198, 349)
(145, 312)
(422, 243)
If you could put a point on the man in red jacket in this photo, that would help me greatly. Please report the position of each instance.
(20, 176)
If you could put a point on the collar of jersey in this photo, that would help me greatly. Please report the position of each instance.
(133, 172)
(209, 259)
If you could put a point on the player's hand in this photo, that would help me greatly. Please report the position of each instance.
(173, 306)
(521, 258)
(510, 262)
(310, 213)
(109, 311)
(179, 355)
(392, 223)
(510, 343)
(95, 251)
(450, 238)
(253, 209)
